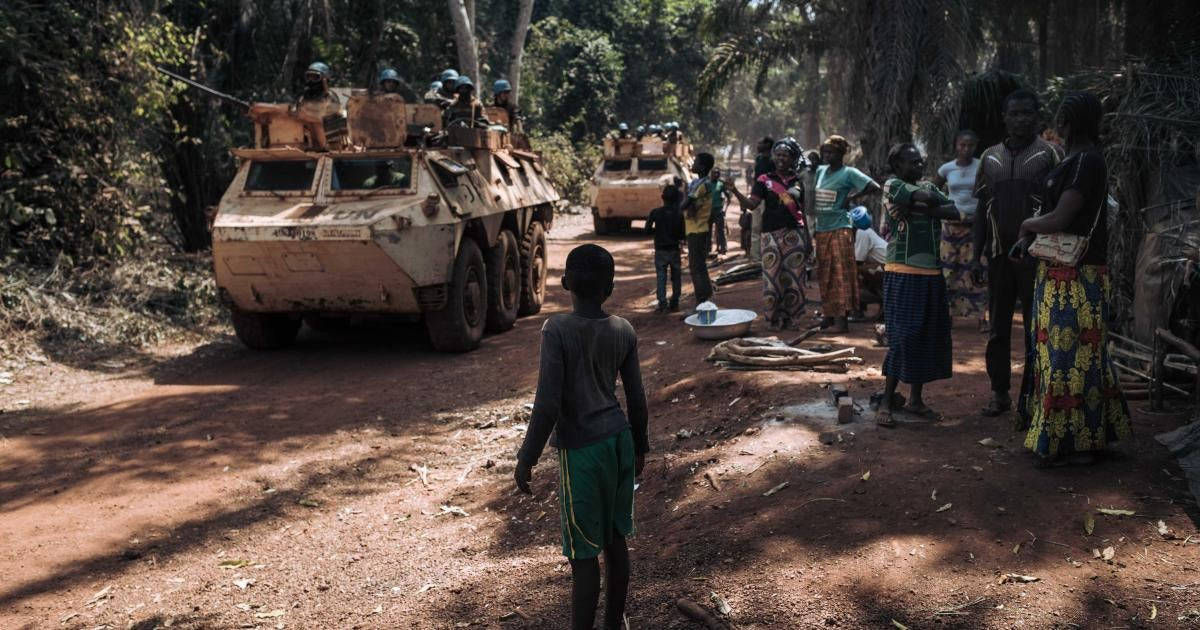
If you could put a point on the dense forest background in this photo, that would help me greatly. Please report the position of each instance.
(102, 158)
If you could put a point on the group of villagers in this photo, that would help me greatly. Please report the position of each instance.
(942, 235)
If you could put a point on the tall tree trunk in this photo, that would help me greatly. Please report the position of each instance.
(524, 15)
(1043, 34)
(464, 38)
(812, 99)
(300, 27)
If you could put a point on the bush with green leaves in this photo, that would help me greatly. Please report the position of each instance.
(78, 174)
(569, 166)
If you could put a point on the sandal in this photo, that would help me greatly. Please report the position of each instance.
(996, 406)
(884, 418)
(923, 411)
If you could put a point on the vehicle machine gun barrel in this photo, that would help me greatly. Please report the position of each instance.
(204, 88)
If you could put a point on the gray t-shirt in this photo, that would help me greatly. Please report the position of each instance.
(576, 394)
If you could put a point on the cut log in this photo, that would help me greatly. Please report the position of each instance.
(693, 611)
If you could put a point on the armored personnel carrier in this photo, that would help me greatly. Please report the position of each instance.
(628, 182)
(375, 210)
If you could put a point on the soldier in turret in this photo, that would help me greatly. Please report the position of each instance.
(641, 132)
(316, 94)
(433, 96)
(502, 97)
(622, 131)
(449, 78)
(466, 110)
(389, 81)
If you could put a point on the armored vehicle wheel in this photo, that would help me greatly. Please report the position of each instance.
(600, 226)
(459, 326)
(533, 269)
(504, 283)
(264, 331)
(321, 323)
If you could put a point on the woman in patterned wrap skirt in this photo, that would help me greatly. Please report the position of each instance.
(785, 240)
(1076, 406)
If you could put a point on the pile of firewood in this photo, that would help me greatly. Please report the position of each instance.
(739, 273)
(770, 353)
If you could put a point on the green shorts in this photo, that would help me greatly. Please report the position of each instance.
(595, 494)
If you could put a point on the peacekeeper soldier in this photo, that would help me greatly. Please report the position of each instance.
(434, 96)
(641, 132)
(316, 95)
(467, 110)
(386, 176)
(389, 81)
(449, 78)
(622, 131)
(502, 97)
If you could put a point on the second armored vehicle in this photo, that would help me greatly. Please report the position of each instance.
(629, 180)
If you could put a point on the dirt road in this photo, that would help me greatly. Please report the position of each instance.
(361, 480)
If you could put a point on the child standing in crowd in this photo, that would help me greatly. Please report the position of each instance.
(916, 312)
(600, 449)
(666, 224)
(697, 210)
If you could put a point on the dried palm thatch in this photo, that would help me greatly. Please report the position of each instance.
(1151, 133)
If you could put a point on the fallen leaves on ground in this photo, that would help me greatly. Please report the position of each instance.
(100, 596)
(1089, 523)
(1116, 512)
(453, 509)
(1108, 554)
(722, 605)
(1018, 578)
(776, 489)
(234, 563)
(307, 502)
(944, 507)
(990, 443)
(866, 475)
(269, 615)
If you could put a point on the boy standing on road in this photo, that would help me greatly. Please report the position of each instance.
(717, 216)
(600, 449)
(666, 224)
(697, 211)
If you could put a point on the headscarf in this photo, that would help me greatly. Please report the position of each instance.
(839, 143)
(789, 143)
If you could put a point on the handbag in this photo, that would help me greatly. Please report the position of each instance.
(1062, 248)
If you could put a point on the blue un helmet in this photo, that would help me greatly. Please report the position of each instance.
(860, 218)
(501, 86)
(436, 85)
(389, 74)
(449, 74)
(462, 82)
(319, 68)
(622, 127)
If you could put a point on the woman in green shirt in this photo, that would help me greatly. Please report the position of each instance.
(915, 306)
(838, 188)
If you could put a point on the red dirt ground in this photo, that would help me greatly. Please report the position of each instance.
(125, 488)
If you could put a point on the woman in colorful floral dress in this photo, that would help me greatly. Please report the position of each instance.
(1076, 404)
(958, 177)
(785, 241)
